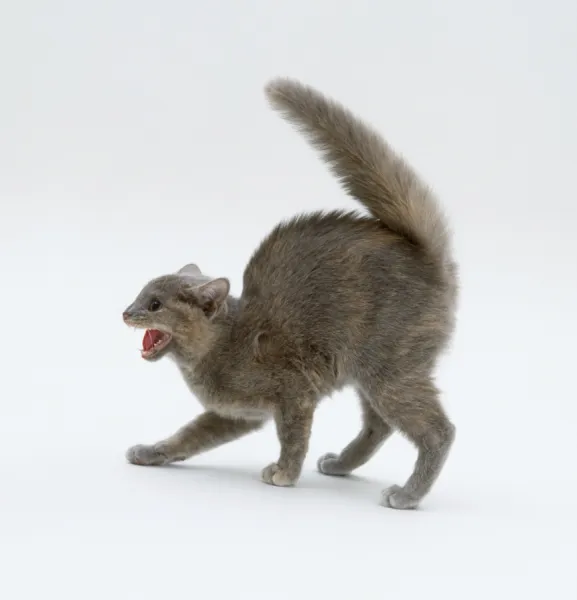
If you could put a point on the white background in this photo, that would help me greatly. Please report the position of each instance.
(134, 138)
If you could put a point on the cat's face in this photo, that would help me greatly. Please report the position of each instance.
(177, 312)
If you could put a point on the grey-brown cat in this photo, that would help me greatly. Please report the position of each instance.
(329, 300)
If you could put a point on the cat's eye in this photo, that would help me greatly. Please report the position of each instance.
(154, 305)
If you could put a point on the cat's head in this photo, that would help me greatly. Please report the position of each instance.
(178, 312)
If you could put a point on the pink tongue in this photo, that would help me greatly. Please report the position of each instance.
(151, 336)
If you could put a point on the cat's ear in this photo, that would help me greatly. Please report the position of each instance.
(191, 270)
(212, 296)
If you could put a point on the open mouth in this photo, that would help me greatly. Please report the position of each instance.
(154, 341)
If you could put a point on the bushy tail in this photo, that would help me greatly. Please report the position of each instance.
(367, 167)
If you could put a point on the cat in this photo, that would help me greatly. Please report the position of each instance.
(330, 299)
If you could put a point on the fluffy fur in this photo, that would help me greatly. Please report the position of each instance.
(329, 300)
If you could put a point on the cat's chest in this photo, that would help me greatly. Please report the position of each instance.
(226, 404)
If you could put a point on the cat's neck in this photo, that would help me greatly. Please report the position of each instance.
(190, 360)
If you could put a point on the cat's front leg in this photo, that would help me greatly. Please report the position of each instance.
(293, 422)
(209, 430)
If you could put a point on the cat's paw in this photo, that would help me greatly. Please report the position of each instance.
(274, 475)
(147, 455)
(329, 464)
(396, 497)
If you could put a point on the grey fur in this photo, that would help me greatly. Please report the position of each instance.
(329, 300)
